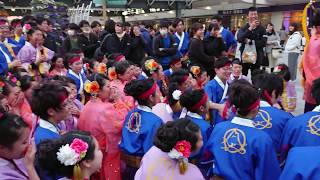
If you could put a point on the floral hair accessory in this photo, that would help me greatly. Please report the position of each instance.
(2, 84)
(13, 79)
(112, 75)
(195, 70)
(26, 28)
(102, 68)
(278, 69)
(151, 65)
(176, 94)
(91, 87)
(181, 152)
(70, 155)
(87, 65)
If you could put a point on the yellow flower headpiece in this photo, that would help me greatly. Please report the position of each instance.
(102, 68)
(151, 65)
(195, 70)
(91, 87)
(112, 75)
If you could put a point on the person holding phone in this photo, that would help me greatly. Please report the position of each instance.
(253, 31)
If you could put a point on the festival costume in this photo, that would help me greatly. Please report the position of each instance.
(128, 100)
(302, 164)
(104, 121)
(288, 98)
(311, 66)
(272, 121)
(240, 151)
(217, 92)
(13, 169)
(5, 59)
(301, 131)
(156, 164)
(138, 131)
(79, 79)
(183, 42)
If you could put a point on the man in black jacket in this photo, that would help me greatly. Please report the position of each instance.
(253, 31)
(118, 42)
(164, 45)
(88, 41)
(50, 41)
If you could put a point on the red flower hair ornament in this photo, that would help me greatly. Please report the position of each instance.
(181, 152)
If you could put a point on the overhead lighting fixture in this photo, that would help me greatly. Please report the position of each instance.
(145, 15)
(208, 8)
(124, 13)
(108, 11)
(13, 9)
(171, 12)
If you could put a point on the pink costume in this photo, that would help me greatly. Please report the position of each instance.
(24, 110)
(311, 66)
(104, 121)
(54, 72)
(13, 169)
(120, 87)
(289, 96)
(164, 111)
(156, 164)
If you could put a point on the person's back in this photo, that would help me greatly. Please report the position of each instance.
(174, 142)
(233, 144)
(298, 159)
(239, 150)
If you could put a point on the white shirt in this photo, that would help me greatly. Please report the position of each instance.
(46, 125)
(316, 109)
(79, 77)
(194, 115)
(224, 87)
(144, 108)
(242, 122)
(5, 55)
(264, 104)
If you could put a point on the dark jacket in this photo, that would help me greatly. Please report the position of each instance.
(112, 44)
(147, 40)
(214, 46)
(162, 52)
(197, 55)
(50, 42)
(137, 50)
(67, 45)
(88, 46)
(258, 36)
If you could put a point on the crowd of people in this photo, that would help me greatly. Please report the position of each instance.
(135, 102)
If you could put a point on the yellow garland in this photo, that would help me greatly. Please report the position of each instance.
(77, 175)
(304, 21)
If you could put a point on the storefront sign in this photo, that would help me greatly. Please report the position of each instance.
(232, 12)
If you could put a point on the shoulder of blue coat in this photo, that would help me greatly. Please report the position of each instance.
(278, 112)
(303, 118)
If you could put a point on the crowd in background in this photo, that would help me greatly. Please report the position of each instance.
(132, 101)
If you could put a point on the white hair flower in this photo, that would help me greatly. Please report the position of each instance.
(176, 95)
(174, 154)
(67, 156)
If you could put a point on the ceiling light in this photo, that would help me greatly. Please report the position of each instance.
(208, 8)
(171, 12)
